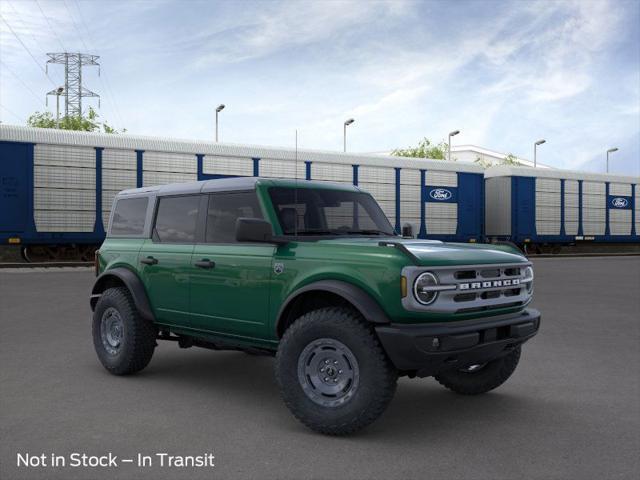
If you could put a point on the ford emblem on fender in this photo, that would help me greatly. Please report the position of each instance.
(619, 202)
(440, 194)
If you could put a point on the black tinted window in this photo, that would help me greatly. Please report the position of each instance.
(310, 211)
(348, 215)
(224, 210)
(128, 216)
(176, 219)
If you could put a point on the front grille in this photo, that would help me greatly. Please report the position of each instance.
(494, 272)
(473, 288)
(489, 307)
(465, 297)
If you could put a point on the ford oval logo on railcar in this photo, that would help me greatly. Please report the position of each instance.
(619, 202)
(440, 194)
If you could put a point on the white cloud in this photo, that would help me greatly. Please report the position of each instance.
(503, 75)
(284, 25)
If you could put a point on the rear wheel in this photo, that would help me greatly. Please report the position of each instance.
(332, 372)
(480, 378)
(123, 340)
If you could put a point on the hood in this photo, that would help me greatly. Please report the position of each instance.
(430, 253)
(436, 253)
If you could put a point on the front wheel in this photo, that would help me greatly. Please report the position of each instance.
(332, 372)
(481, 378)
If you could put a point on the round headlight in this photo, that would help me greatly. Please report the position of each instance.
(528, 277)
(421, 288)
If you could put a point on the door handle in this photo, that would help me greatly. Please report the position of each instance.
(149, 261)
(205, 263)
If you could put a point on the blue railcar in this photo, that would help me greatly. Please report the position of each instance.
(555, 207)
(57, 186)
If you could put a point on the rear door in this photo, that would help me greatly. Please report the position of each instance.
(165, 258)
(230, 280)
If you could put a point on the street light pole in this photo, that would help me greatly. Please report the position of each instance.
(535, 151)
(344, 133)
(611, 150)
(59, 91)
(451, 134)
(218, 110)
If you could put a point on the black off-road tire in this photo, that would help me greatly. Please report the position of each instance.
(377, 377)
(138, 336)
(490, 376)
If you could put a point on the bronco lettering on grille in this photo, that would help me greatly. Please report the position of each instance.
(490, 284)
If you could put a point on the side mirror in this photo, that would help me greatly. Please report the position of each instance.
(255, 230)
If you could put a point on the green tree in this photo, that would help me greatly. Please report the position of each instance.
(483, 162)
(88, 123)
(510, 159)
(425, 149)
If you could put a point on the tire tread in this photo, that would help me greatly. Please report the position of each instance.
(498, 371)
(141, 338)
(386, 374)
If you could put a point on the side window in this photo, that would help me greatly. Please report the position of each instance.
(176, 219)
(224, 210)
(128, 216)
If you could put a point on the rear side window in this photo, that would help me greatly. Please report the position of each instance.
(176, 219)
(224, 210)
(129, 215)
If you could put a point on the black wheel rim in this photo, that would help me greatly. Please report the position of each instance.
(111, 330)
(328, 372)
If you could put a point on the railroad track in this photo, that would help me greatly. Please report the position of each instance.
(585, 254)
(44, 264)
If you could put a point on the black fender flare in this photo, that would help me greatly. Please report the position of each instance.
(133, 284)
(361, 300)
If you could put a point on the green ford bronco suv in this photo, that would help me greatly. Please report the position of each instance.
(312, 273)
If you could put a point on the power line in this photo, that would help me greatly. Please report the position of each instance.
(28, 51)
(12, 113)
(26, 29)
(75, 25)
(105, 83)
(24, 25)
(50, 27)
(22, 82)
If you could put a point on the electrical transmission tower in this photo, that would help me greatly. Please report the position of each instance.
(73, 91)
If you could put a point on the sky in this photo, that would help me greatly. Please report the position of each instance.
(504, 73)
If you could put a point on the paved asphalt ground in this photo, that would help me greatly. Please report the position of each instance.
(571, 410)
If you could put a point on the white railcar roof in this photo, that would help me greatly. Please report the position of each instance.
(509, 171)
(136, 142)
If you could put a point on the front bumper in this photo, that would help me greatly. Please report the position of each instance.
(428, 349)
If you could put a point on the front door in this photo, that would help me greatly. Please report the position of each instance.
(165, 259)
(230, 280)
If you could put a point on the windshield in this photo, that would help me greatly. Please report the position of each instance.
(311, 211)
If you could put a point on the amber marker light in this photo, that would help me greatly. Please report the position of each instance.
(403, 286)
